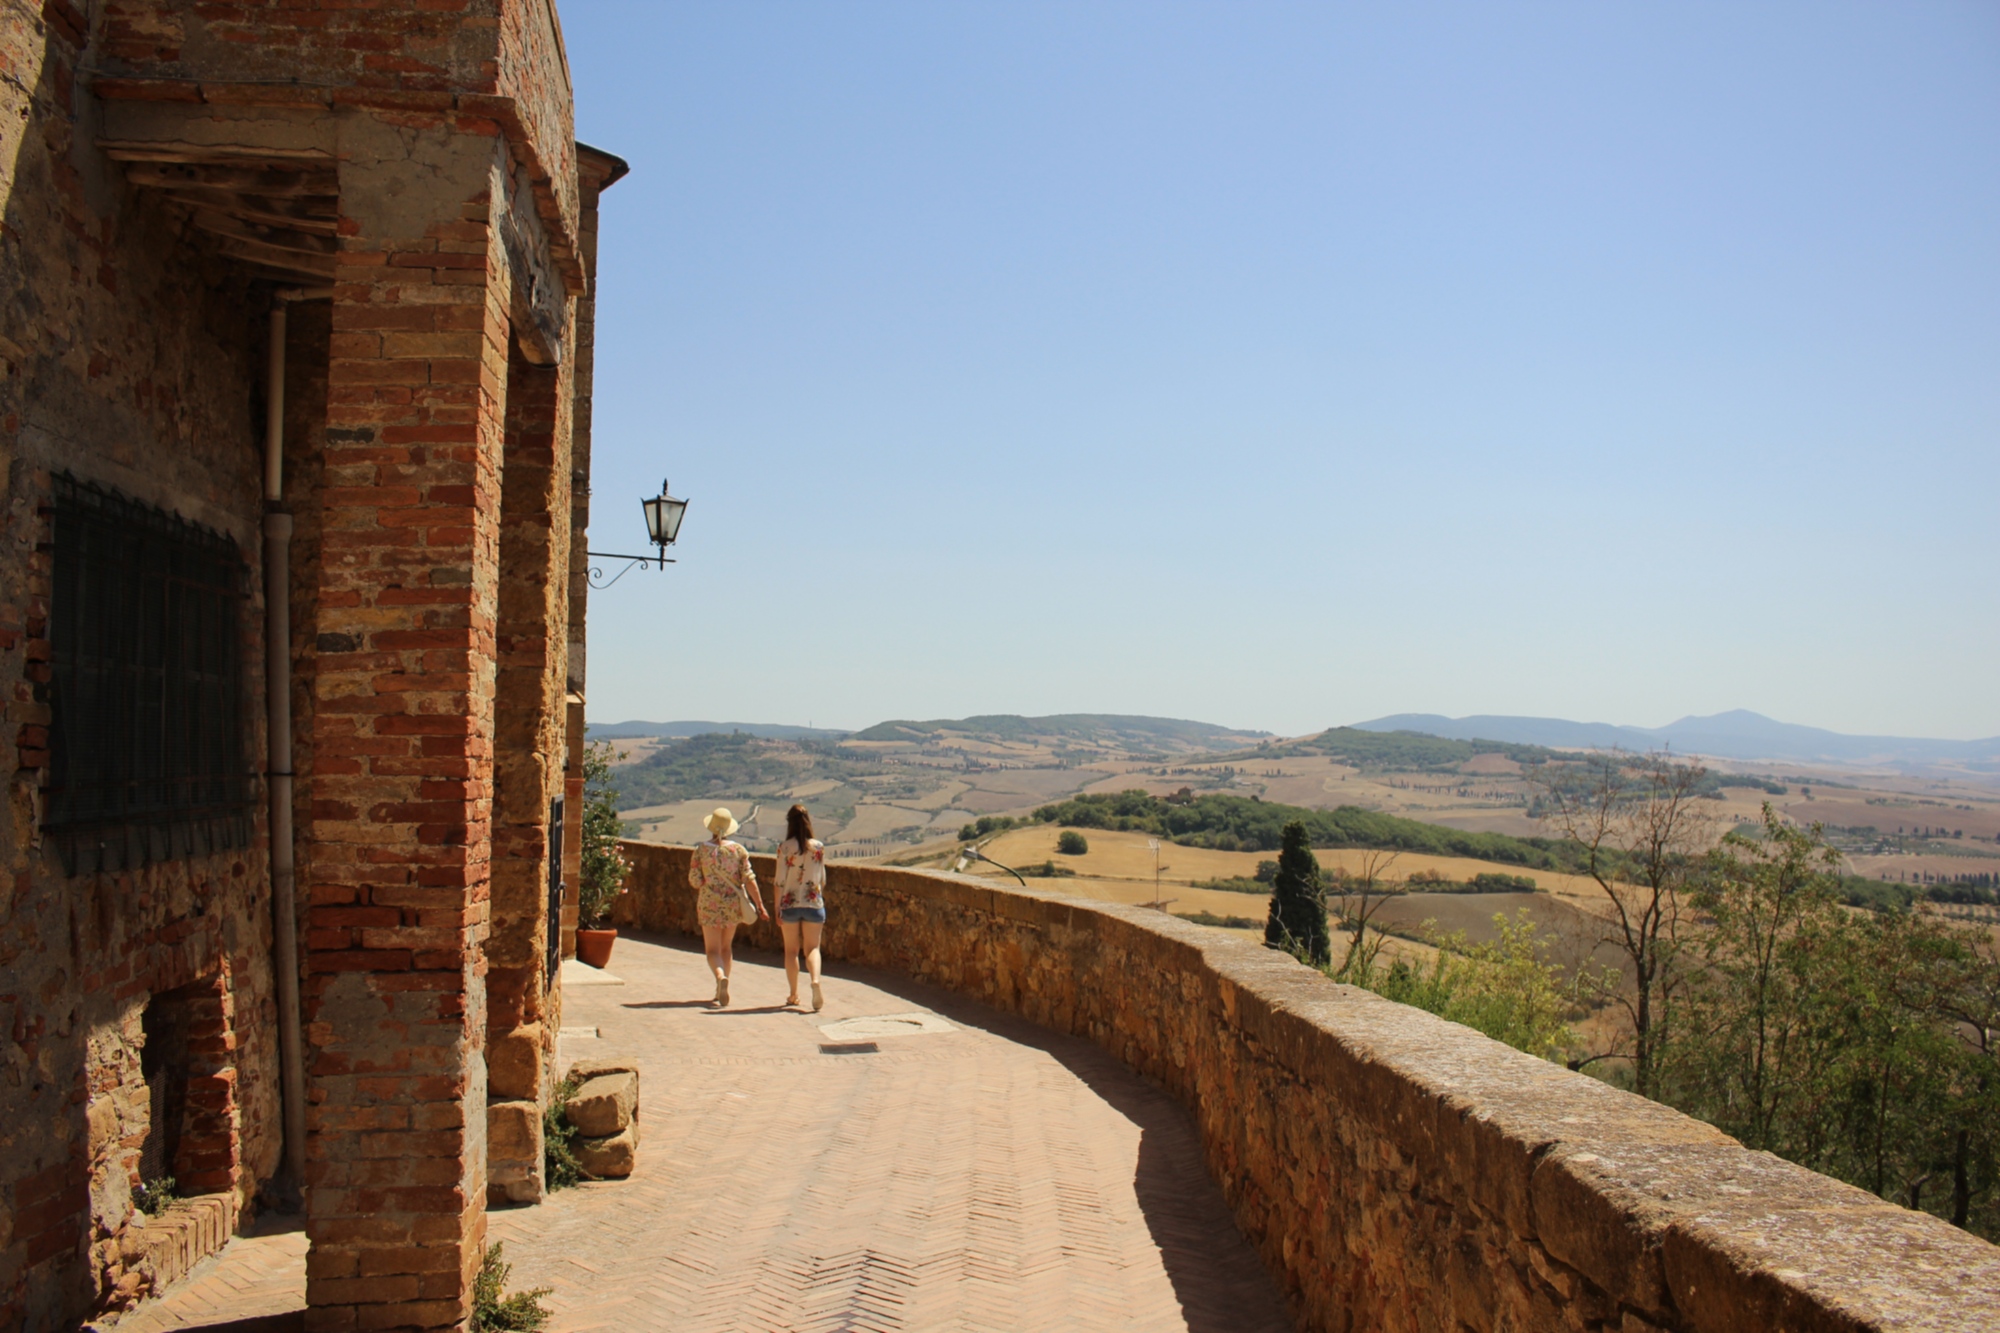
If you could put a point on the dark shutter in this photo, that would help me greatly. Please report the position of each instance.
(147, 758)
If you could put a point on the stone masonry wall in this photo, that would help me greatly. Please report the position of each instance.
(130, 360)
(1399, 1172)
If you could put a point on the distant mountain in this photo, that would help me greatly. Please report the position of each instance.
(626, 731)
(1738, 734)
(1106, 728)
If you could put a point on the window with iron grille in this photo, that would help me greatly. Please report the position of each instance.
(146, 746)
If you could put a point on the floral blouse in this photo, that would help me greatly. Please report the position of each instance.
(801, 874)
(720, 867)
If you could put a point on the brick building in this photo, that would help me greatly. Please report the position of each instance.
(295, 358)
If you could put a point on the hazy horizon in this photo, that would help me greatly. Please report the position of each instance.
(1280, 364)
(1228, 724)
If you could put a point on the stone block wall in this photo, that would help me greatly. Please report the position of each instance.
(1396, 1171)
(134, 363)
(426, 436)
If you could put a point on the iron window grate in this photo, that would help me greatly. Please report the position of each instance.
(147, 757)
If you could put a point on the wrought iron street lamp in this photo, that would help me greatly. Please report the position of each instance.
(663, 526)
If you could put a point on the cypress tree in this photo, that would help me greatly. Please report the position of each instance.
(1298, 903)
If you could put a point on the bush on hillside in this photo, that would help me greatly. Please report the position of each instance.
(1072, 843)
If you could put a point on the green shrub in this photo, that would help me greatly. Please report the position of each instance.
(1507, 989)
(1071, 843)
(560, 1169)
(493, 1312)
(984, 825)
(604, 867)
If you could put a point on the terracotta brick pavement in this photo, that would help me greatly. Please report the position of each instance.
(994, 1176)
(257, 1284)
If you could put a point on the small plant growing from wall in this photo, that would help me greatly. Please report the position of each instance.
(495, 1312)
(604, 866)
(560, 1169)
(151, 1197)
(1072, 843)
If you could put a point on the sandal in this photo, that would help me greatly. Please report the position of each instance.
(818, 998)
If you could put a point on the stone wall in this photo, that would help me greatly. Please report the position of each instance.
(1399, 1172)
(426, 436)
(130, 359)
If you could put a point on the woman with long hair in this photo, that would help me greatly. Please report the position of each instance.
(723, 881)
(801, 895)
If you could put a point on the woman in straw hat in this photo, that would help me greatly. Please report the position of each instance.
(722, 879)
(801, 894)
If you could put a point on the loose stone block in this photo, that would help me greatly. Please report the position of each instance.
(610, 1158)
(605, 1105)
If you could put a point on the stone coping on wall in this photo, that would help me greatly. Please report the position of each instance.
(1396, 1170)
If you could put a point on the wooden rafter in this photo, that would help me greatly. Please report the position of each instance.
(280, 238)
(290, 262)
(274, 211)
(317, 214)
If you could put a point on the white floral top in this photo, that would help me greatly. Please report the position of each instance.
(801, 874)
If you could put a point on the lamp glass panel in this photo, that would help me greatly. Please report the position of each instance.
(671, 513)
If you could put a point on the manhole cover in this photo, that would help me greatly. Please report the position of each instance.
(884, 1025)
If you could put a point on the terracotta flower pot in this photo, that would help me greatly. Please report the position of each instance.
(594, 946)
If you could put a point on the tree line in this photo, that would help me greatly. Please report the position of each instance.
(1247, 824)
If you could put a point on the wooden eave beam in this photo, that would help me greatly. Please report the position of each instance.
(166, 150)
(275, 183)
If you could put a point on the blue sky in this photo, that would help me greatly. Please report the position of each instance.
(1287, 365)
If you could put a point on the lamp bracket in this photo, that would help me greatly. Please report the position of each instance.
(596, 573)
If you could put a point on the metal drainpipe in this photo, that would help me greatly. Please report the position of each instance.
(278, 739)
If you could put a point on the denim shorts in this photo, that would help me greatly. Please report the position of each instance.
(803, 913)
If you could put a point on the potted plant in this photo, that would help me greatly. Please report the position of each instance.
(604, 867)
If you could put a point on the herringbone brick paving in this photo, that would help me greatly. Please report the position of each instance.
(258, 1277)
(995, 1177)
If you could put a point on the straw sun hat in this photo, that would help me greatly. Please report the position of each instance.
(721, 823)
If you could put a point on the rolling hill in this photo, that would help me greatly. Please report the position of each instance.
(1738, 734)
